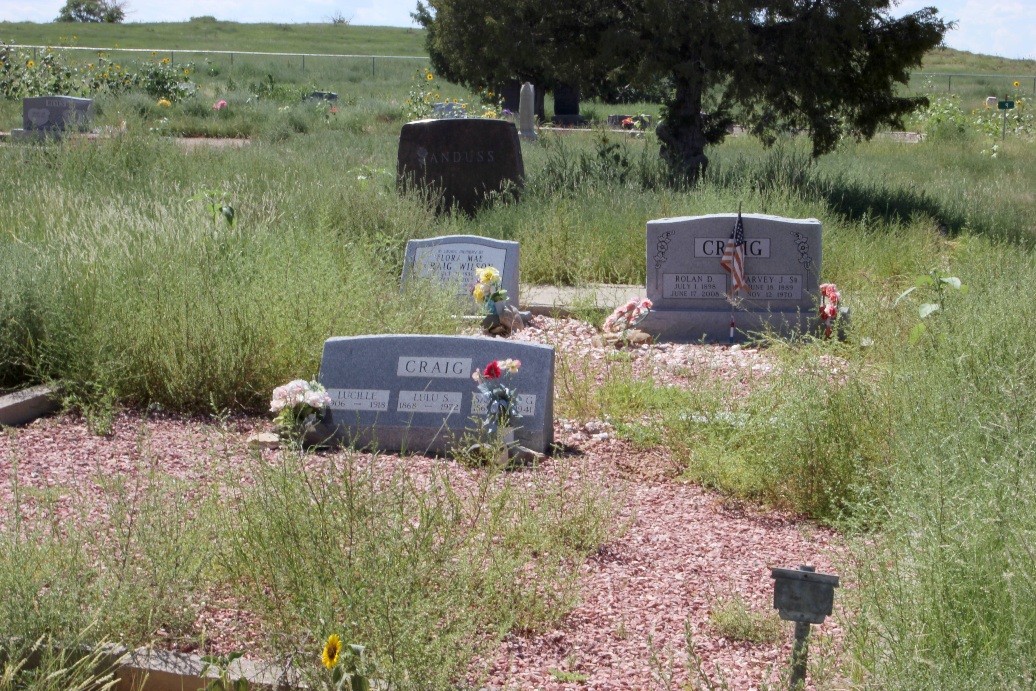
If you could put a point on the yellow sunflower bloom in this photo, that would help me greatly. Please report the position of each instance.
(331, 650)
(31, 63)
(1017, 84)
(430, 76)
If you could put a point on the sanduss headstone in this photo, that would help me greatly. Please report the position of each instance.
(54, 115)
(690, 289)
(415, 393)
(452, 260)
(466, 160)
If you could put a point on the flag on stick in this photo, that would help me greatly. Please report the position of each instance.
(733, 261)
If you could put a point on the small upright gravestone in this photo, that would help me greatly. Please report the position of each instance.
(464, 160)
(526, 118)
(451, 260)
(691, 290)
(416, 393)
(54, 115)
(510, 96)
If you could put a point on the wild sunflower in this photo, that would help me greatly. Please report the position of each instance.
(331, 650)
(31, 64)
(430, 76)
(1017, 84)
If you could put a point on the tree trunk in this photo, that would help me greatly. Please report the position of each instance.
(682, 132)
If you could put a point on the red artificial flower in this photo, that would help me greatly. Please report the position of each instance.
(492, 370)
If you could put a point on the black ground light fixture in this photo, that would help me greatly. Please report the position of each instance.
(805, 597)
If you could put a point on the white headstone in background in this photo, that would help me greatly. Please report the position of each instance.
(526, 116)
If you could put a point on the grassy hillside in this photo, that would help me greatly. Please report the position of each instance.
(207, 34)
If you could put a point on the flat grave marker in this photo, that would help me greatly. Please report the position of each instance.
(690, 289)
(452, 260)
(415, 393)
(466, 159)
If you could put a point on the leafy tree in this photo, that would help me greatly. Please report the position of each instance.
(92, 11)
(828, 67)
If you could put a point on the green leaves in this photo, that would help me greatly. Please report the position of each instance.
(933, 281)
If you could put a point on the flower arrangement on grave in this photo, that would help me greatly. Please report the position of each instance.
(830, 297)
(627, 316)
(219, 105)
(299, 405)
(487, 291)
(501, 411)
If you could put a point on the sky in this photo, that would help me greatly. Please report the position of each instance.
(995, 27)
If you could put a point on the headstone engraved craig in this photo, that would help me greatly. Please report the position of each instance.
(415, 393)
(690, 289)
(53, 115)
(452, 260)
(464, 159)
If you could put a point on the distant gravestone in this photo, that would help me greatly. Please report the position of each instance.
(323, 96)
(415, 393)
(690, 289)
(54, 115)
(510, 97)
(452, 260)
(466, 160)
(566, 106)
(448, 110)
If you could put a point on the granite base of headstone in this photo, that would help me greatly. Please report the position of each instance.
(416, 394)
(53, 116)
(448, 110)
(451, 260)
(566, 107)
(323, 96)
(465, 162)
(690, 290)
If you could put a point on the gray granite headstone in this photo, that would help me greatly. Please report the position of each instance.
(464, 159)
(447, 110)
(690, 289)
(453, 259)
(52, 115)
(415, 393)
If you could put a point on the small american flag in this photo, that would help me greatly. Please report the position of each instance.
(733, 261)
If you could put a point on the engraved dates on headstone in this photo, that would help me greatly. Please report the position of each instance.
(690, 288)
(416, 393)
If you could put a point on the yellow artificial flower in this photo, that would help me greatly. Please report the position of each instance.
(479, 294)
(488, 274)
(331, 650)
(31, 64)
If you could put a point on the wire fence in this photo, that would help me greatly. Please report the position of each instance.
(953, 82)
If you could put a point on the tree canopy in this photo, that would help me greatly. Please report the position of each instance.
(92, 11)
(827, 67)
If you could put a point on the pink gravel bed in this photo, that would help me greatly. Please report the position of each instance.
(684, 551)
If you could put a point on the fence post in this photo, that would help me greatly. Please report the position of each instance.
(172, 57)
(949, 84)
(372, 71)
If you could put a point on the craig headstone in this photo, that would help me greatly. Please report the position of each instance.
(415, 393)
(452, 260)
(690, 290)
(54, 115)
(465, 159)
